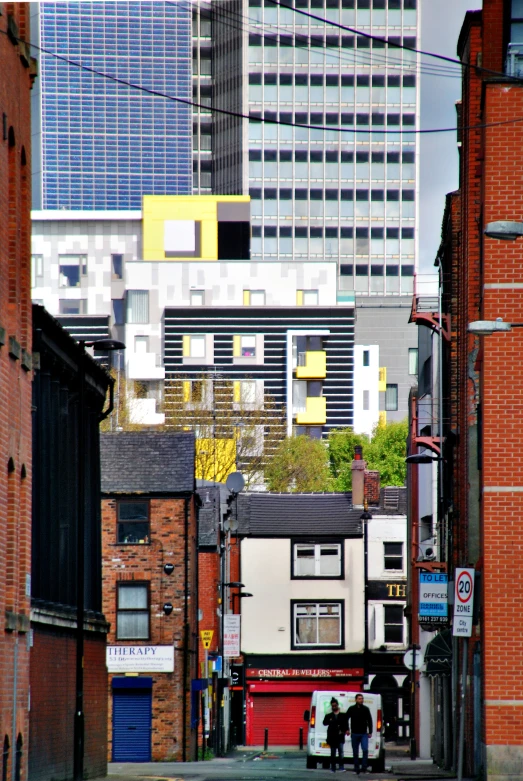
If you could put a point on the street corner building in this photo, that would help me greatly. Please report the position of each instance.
(150, 594)
(16, 76)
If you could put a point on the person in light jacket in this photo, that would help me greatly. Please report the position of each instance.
(336, 723)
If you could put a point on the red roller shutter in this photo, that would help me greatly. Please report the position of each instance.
(282, 714)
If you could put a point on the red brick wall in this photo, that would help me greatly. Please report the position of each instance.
(15, 384)
(145, 563)
(208, 582)
(53, 660)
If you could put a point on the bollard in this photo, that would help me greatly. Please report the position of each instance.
(301, 738)
(266, 740)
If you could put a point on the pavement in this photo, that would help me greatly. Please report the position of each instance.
(278, 764)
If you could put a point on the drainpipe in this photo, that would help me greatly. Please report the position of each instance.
(185, 629)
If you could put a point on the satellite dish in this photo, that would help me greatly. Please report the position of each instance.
(235, 482)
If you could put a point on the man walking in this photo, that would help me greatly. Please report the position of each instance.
(359, 728)
(336, 723)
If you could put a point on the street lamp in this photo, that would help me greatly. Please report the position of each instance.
(422, 458)
(487, 327)
(365, 517)
(507, 230)
(106, 345)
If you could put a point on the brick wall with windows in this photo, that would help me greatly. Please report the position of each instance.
(140, 535)
(16, 75)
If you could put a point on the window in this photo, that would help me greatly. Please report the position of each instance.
(393, 623)
(413, 360)
(317, 560)
(118, 311)
(197, 297)
(133, 522)
(78, 306)
(257, 297)
(391, 398)
(366, 357)
(393, 555)
(117, 266)
(72, 268)
(132, 618)
(37, 267)
(247, 391)
(247, 346)
(196, 346)
(317, 624)
(138, 306)
(366, 400)
(310, 298)
(141, 345)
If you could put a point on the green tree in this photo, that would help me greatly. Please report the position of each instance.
(386, 452)
(299, 464)
(341, 444)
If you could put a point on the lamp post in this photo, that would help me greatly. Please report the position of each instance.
(106, 345)
(365, 517)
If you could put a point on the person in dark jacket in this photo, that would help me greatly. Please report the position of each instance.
(359, 723)
(336, 723)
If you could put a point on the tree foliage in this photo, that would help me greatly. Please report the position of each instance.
(298, 464)
(386, 452)
(341, 444)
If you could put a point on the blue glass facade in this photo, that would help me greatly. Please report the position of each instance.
(103, 144)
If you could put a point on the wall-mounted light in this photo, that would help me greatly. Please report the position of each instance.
(168, 608)
(168, 568)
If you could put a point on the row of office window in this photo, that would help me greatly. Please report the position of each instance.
(376, 270)
(393, 5)
(406, 156)
(330, 194)
(318, 232)
(333, 79)
(320, 41)
(376, 118)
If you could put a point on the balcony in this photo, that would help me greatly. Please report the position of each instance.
(315, 412)
(311, 365)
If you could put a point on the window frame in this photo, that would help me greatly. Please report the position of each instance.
(201, 340)
(316, 542)
(305, 647)
(388, 407)
(247, 336)
(389, 605)
(133, 584)
(120, 503)
(386, 556)
(413, 355)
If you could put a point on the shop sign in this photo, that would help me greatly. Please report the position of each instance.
(140, 658)
(344, 672)
(433, 597)
(231, 635)
(383, 590)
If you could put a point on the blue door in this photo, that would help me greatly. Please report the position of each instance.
(132, 725)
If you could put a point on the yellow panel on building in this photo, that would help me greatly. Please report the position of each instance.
(382, 381)
(185, 227)
(315, 412)
(382, 418)
(315, 366)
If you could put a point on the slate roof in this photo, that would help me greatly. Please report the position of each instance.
(284, 515)
(143, 462)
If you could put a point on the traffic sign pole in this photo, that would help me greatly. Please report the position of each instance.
(462, 627)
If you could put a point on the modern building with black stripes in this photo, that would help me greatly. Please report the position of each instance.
(301, 358)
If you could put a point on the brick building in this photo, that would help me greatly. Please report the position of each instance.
(16, 76)
(61, 465)
(150, 594)
(482, 503)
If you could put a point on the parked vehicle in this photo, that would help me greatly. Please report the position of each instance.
(317, 747)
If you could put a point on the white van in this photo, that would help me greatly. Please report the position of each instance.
(317, 748)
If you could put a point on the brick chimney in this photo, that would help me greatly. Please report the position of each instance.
(372, 486)
(358, 477)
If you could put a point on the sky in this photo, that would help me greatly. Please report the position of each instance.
(441, 22)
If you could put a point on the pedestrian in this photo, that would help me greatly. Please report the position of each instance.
(336, 723)
(359, 727)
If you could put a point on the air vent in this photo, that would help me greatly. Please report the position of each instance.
(391, 498)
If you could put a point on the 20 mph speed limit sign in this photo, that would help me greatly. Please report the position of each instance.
(463, 602)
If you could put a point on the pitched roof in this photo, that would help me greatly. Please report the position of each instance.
(143, 462)
(283, 515)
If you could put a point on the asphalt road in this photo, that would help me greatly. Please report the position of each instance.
(245, 765)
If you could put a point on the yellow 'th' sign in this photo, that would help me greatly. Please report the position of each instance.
(206, 635)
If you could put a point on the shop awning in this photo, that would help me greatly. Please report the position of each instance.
(438, 654)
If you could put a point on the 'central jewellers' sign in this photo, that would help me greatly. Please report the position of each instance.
(140, 658)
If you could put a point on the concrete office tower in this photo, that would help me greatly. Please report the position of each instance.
(99, 144)
(342, 181)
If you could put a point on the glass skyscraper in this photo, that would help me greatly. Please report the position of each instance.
(99, 144)
(346, 186)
